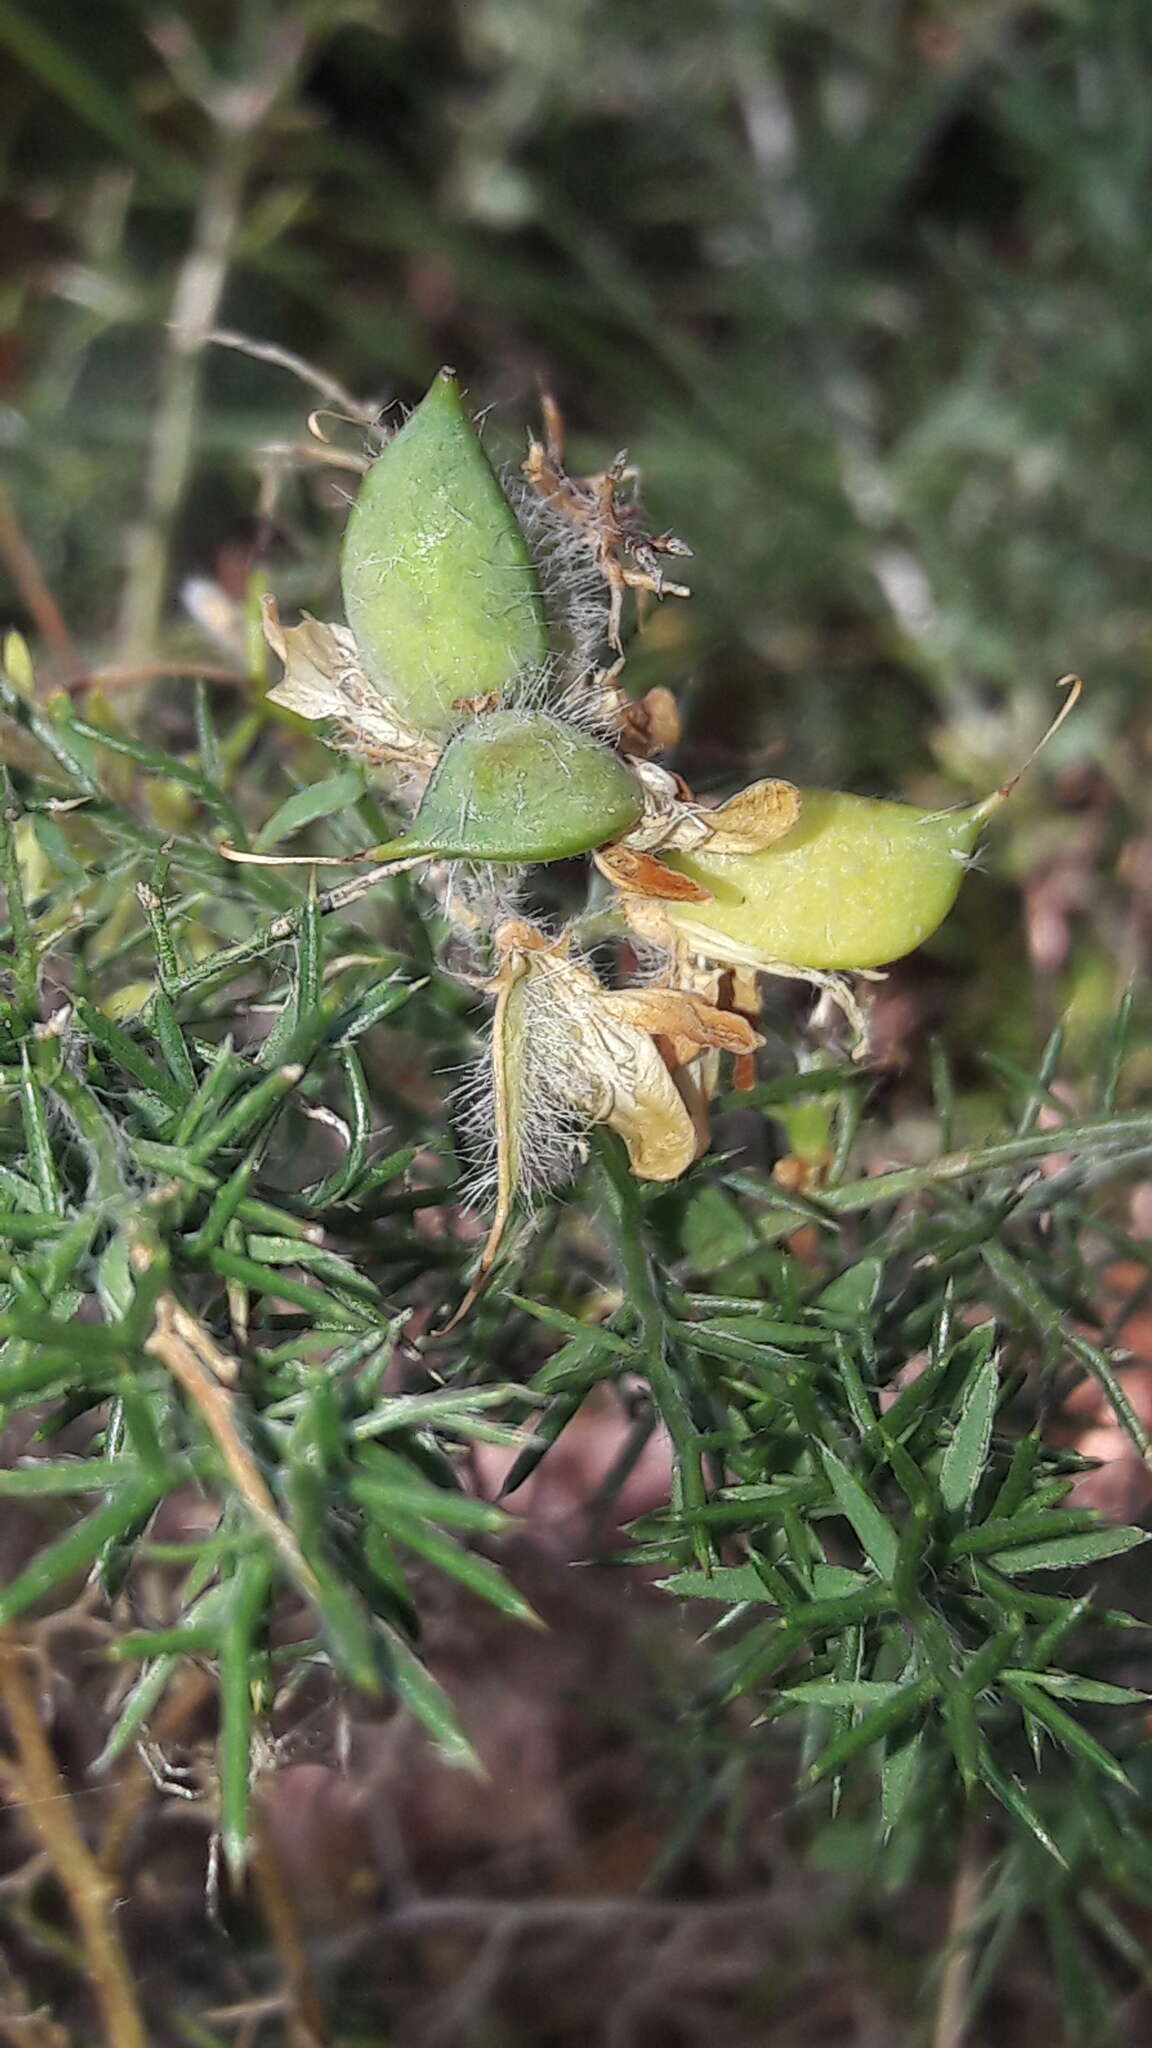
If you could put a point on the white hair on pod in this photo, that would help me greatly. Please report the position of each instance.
(652, 962)
(549, 1137)
(574, 593)
(551, 1128)
(475, 898)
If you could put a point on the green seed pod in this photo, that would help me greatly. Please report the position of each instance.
(856, 883)
(440, 591)
(521, 786)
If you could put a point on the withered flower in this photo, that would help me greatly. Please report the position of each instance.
(567, 1053)
(606, 509)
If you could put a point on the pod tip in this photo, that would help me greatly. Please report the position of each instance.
(1074, 687)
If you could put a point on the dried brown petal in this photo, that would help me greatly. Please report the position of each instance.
(651, 724)
(689, 946)
(753, 819)
(316, 658)
(605, 508)
(686, 1020)
(646, 876)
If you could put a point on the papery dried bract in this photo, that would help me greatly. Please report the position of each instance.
(571, 1053)
(323, 679)
(753, 819)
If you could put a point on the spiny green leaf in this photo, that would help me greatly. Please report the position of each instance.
(1066, 1730)
(386, 1494)
(877, 1536)
(842, 1692)
(426, 1699)
(966, 1455)
(267, 1280)
(129, 1054)
(1096, 1692)
(725, 1582)
(248, 1595)
(852, 1294)
(1012, 1796)
(1035, 1524)
(307, 806)
(897, 1708)
(477, 1574)
(139, 1703)
(1063, 1553)
(40, 1478)
(52, 1569)
(450, 1408)
(898, 1773)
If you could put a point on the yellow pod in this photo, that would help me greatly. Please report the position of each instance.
(856, 882)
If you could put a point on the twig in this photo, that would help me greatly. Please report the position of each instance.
(91, 1897)
(237, 111)
(307, 2025)
(284, 359)
(466, 2009)
(125, 675)
(953, 2010)
(280, 928)
(204, 1371)
(529, 1919)
(32, 2030)
(29, 579)
(20, 2023)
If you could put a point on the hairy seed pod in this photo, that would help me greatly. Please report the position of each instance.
(440, 590)
(521, 786)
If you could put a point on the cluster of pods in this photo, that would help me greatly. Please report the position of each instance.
(479, 674)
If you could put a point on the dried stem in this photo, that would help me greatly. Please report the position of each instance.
(129, 675)
(90, 1895)
(205, 1373)
(20, 2024)
(31, 585)
(237, 111)
(307, 2025)
(285, 359)
(953, 2009)
(283, 927)
(199, 289)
